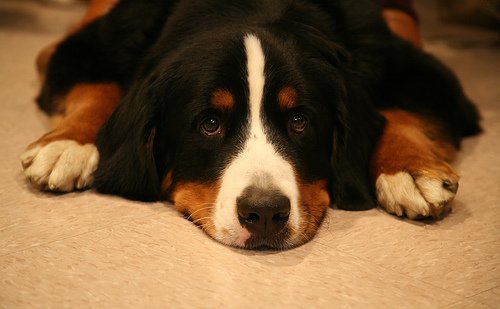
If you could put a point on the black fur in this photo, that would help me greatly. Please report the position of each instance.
(170, 55)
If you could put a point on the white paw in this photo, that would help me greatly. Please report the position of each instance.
(61, 165)
(419, 196)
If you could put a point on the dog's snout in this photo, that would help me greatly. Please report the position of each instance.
(263, 212)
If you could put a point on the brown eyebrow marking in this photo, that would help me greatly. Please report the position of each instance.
(222, 99)
(287, 98)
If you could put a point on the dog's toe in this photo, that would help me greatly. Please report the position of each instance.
(28, 156)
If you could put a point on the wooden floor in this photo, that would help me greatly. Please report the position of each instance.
(88, 250)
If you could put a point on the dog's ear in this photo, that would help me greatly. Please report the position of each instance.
(127, 150)
(357, 129)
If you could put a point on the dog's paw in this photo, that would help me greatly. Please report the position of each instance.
(60, 166)
(417, 195)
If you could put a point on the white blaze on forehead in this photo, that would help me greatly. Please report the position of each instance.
(258, 164)
(256, 82)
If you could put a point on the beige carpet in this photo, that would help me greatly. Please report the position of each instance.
(89, 250)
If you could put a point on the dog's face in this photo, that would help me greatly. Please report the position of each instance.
(241, 139)
(253, 167)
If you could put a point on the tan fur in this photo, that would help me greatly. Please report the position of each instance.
(84, 111)
(166, 185)
(222, 99)
(409, 167)
(196, 201)
(403, 25)
(287, 98)
(314, 201)
(406, 145)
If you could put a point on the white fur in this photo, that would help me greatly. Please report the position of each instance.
(61, 165)
(400, 194)
(257, 164)
(433, 190)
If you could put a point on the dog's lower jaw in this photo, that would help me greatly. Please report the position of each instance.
(245, 240)
(284, 239)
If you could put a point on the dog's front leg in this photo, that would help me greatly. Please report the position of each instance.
(65, 158)
(409, 166)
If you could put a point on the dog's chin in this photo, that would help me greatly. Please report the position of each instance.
(283, 240)
(278, 241)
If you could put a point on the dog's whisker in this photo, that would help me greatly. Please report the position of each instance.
(310, 216)
(221, 143)
(200, 219)
(302, 236)
(200, 209)
(205, 226)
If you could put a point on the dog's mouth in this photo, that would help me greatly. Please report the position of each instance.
(281, 240)
(239, 237)
(277, 241)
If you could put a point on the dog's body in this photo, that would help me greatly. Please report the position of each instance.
(252, 117)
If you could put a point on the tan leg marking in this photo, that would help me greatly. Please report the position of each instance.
(84, 111)
(409, 168)
(66, 157)
(403, 25)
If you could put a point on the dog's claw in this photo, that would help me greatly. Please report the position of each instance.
(450, 185)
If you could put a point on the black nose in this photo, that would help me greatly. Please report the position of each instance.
(263, 212)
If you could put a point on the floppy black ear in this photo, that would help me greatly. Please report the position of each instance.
(126, 145)
(358, 128)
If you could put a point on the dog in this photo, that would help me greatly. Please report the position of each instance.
(252, 117)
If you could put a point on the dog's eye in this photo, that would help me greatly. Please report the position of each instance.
(297, 123)
(211, 126)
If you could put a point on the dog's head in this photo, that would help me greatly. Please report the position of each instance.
(249, 136)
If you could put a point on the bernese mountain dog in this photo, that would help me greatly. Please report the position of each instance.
(252, 116)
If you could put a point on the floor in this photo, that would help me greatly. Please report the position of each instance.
(89, 250)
